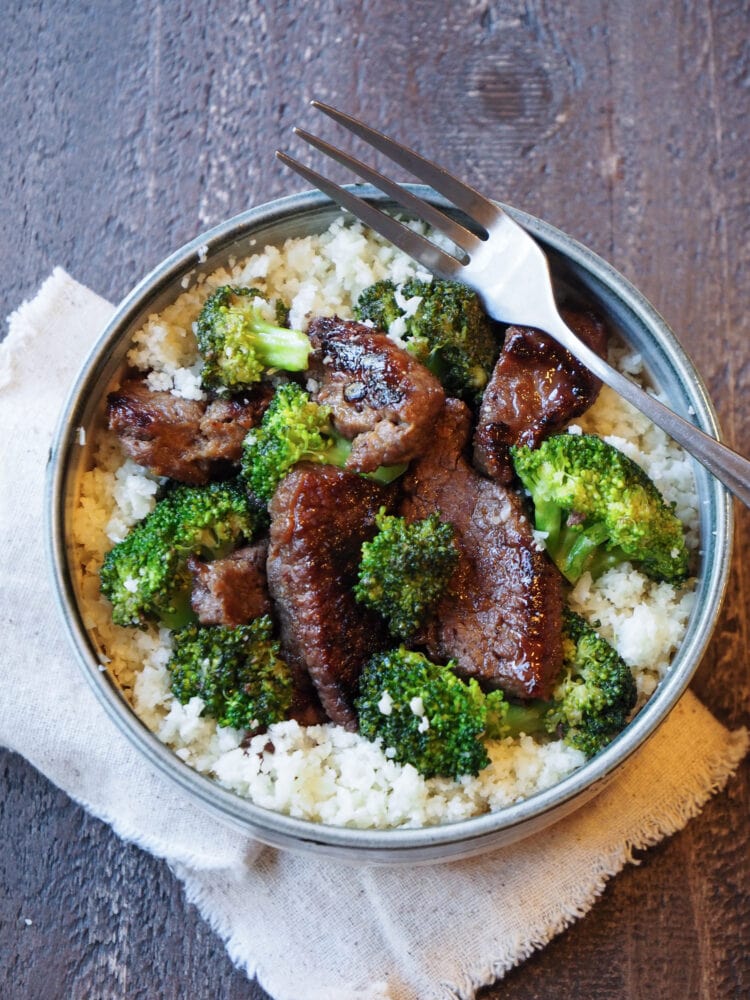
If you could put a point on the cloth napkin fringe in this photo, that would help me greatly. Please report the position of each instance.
(674, 814)
(59, 289)
(668, 818)
(236, 948)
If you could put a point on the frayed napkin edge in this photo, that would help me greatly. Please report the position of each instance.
(668, 819)
(33, 314)
(24, 321)
(195, 895)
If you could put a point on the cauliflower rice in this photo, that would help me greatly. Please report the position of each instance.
(324, 773)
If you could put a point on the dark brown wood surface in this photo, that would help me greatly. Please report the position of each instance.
(130, 127)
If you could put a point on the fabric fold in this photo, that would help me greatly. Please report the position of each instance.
(314, 928)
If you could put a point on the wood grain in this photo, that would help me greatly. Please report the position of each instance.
(128, 128)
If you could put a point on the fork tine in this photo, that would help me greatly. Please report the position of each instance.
(475, 205)
(416, 246)
(461, 236)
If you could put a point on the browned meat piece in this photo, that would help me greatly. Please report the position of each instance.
(320, 516)
(226, 422)
(306, 708)
(501, 617)
(188, 440)
(535, 389)
(380, 396)
(233, 590)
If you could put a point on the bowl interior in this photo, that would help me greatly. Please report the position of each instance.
(579, 275)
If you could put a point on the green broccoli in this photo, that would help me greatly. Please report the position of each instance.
(596, 692)
(590, 703)
(405, 569)
(238, 343)
(599, 508)
(295, 429)
(449, 331)
(428, 717)
(377, 304)
(145, 576)
(237, 672)
(425, 715)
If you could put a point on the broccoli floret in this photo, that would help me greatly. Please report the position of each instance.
(449, 331)
(405, 569)
(428, 717)
(590, 703)
(512, 718)
(237, 672)
(377, 304)
(238, 343)
(425, 715)
(596, 692)
(599, 508)
(295, 429)
(145, 575)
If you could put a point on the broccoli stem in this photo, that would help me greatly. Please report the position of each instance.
(578, 551)
(282, 348)
(340, 450)
(573, 548)
(603, 560)
(180, 614)
(576, 547)
(505, 718)
(528, 718)
(548, 517)
(386, 473)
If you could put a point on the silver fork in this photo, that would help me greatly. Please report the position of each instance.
(503, 264)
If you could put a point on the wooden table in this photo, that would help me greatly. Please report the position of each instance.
(128, 128)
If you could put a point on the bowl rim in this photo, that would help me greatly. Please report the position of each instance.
(433, 843)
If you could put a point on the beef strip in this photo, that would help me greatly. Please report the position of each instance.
(320, 515)
(189, 440)
(501, 616)
(536, 387)
(306, 708)
(232, 590)
(380, 396)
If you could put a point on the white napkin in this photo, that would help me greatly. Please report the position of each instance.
(308, 929)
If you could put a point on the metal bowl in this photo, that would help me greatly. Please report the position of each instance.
(582, 274)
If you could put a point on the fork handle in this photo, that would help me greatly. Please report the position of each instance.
(727, 465)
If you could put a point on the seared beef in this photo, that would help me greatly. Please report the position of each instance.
(189, 440)
(502, 614)
(306, 708)
(380, 396)
(535, 389)
(320, 516)
(233, 590)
